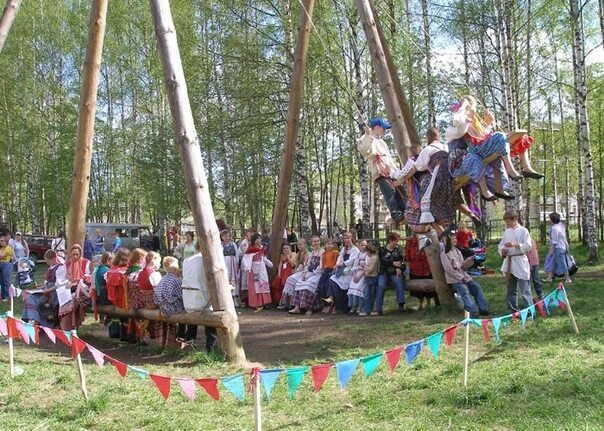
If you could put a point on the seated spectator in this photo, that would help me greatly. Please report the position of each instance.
(136, 327)
(356, 290)
(116, 276)
(100, 284)
(286, 268)
(43, 308)
(391, 272)
(305, 291)
(465, 239)
(167, 295)
(454, 265)
(71, 313)
(337, 290)
(148, 278)
(330, 258)
(419, 269)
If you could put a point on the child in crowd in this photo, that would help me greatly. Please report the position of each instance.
(356, 290)
(330, 257)
(286, 268)
(533, 257)
(370, 279)
(514, 245)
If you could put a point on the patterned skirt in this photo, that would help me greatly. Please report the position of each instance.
(305, 299)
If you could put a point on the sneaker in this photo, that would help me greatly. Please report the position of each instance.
(569, 281)
(376, 313)
(363, 314)
(281, 307)
(547, 280)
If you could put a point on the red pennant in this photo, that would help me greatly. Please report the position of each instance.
(210, 386)
(562, 304)
(11, 324)
(485, 329)
(450, 334)
(77, 346)
(162, 383)
(122, 368)
(541, 309)
(319, 375)
(394, 356)
(516, 315)
(61, 336)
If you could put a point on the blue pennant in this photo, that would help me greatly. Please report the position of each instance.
(477, 322)
(234, 384)
(31, 331)
(345, 371)
(523, 316)
(139, 372)
(532, 311)
(268, 379)
(496, 324)
(412, 350)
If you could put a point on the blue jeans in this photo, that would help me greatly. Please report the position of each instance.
(560, 256)
(536, 280)
(399, 288)
(511, 297)
(355, 302)
(471, 294)
(5, 270)
(393, 197)
(370, 293)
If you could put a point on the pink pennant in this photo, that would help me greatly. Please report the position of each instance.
(485, 329)
(162, 383)
(188, 387)
(98, 356)
(394, 356)
(22, 331)
(49, 334)
(3, 328)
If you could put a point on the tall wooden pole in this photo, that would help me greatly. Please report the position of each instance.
(80, 182)
(380, 65)
(195, 178)
(6, 21)
(291, 130)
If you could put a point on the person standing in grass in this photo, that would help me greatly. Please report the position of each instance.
(356, 291)
(254, 265)
(391, 271)
(6, 266)
(514, 245)
(533, 257)
(372, 266)
(555, 262)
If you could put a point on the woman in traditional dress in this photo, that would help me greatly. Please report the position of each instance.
(339, 283)
(42, 307)
(136, 327)
(286, 268)
(231, 260)
(71, 313)
(148, 278)
(187, 248)
(305, 291)
(356, 290)
(244, 243)
(254, 265)
(115, 278)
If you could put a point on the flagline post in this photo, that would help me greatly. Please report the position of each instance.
(11, 351)
(257, 399)
(570, 311)
(80, 369)
(466, 352)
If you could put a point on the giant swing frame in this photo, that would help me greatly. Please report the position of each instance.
(224, 316)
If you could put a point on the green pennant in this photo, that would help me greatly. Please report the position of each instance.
(370, 363)
(434, 341)
(294, 379)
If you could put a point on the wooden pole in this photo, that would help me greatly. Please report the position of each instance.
(466, 350)
(195, 179)
(291, 131)
(257, 401)
(380, 65)
(410, 131)
(81, 371)
(11, 346)
(6, 21)
(570, 311)
(444, 292)
(80, 182)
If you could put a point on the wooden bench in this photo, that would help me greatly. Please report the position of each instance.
(215, 319)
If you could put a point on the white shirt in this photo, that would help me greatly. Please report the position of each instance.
(521, 268)
(423, 160)
(58, 244)
(195, 295)
(558, 236)
(378, 157)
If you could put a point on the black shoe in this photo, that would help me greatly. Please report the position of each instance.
(477, 222)
(484, 312)
(533, 175)
(505, 197)
(491, 199)
(401, 307)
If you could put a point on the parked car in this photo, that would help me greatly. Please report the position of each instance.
(38, 244)
(132, 235)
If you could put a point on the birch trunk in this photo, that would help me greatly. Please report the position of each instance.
(580, 96)
(428, 53)
(6, 21)
(195, 179)
(302, 185)
(83, 154)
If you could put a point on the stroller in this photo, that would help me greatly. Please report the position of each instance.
(479, 252)
(25, 272)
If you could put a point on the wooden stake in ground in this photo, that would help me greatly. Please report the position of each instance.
(257, 399)
(11, 346)
(570, 311)
(81, 370)
(6, 21)
(80, 182)
(291, 131)
(195, 179)
(466, 350)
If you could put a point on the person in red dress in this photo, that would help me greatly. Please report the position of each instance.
(286, 268)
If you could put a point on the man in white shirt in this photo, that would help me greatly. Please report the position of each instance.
(382, 167)
(514, 245)
(196, 298)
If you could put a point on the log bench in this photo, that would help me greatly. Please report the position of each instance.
(215, 319)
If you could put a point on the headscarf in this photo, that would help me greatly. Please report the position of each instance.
(75, 269)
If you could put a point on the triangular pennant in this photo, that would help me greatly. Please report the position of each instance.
(49, 334)
(294, 379)
(210, 386)
(345, 370)
(532, 311)
(434, 342)
(485, 329)
(77, 346)
(505, 320)
(188, 388)
(319, 375)
(541, 309)
(99, 357)
(370, 363)
(11, 329)
(412, 350)
(476, 322)
(121, 368)
(523, 316)
(394, 357)
(3, 328)
(562, 299)
(142, 374)
(496, 324)
(546, 304)
(450, 335)
(62, 336)
(234, 384)
(268, 379)
(22, 331)
(163, 384)
(33, 332)
(554, 302)
(18, 292)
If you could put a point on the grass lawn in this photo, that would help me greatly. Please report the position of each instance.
(544, 378)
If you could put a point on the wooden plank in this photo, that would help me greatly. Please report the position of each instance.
(216, 319)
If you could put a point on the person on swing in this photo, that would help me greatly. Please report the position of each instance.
(382, 166)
